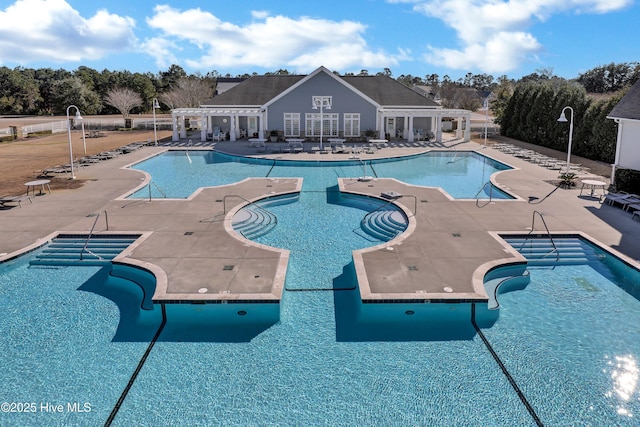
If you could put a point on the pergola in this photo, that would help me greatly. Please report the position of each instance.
(179, 116)
(203, 114)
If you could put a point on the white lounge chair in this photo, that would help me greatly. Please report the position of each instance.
(14, 199)
(338, 148)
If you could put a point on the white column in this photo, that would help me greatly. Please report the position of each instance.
(467, 128)
(261, 126)
(439, 129)
(183, 127)
(174, 134)
(459, 127)
(409, 129)
(233, 126)
(203, 128)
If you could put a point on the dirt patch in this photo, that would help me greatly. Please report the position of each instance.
(24, 159)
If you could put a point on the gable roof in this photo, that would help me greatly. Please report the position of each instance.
(388, 92)
(256, 90)
(260, 90)
(629, 105)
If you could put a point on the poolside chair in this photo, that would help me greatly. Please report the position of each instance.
(635, 207)
(611, 198)
(13, 199)
(629, 201)
(217, 134)
(338, 148)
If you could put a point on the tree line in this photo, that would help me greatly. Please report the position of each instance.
(529, 110)
(45, 91)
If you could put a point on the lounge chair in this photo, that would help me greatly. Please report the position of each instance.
(14, 199)
(633, 206)
(630, 201)
(618, 197)
(338, 148)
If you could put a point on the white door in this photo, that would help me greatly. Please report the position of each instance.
(391, 126)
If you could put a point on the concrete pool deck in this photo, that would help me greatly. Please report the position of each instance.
(196, 256)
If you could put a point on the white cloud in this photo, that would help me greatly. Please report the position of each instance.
(492, 33)
(163, 50)
(503, 51)
(270, 41)
(51, 30)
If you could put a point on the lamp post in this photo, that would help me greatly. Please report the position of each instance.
(563, 119)
(77, 117)
(155, 132)
(321, 102)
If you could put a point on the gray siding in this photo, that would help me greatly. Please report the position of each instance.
(299, 101)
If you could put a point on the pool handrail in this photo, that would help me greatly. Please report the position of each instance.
(533, 222)
(86, 242)
(157, 188)
(490, 193)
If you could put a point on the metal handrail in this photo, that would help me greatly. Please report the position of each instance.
(157, 188)
(480, 191)
(533, 222)
(86, 242)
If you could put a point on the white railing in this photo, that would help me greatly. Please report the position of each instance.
(52, 127)
(92, 124)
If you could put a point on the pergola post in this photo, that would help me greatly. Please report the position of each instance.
(203, 128)
(409, 129)
(174, 134)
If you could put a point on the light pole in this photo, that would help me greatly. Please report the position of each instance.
(155, 132)
(77, 117)
(321, 102)
(563, 119)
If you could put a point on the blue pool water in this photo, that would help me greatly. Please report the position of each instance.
(77, 334)
(569, 340)
(464, 175)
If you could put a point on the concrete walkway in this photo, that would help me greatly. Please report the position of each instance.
(195, 255)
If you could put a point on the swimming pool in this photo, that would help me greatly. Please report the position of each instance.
(327, 360)
(463, 175)
(567, 341)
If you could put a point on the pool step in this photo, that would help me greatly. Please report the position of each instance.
(384, 224)
(71, 250)
(253, 221)
(540, 250)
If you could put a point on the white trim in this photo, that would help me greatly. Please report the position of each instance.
(312, 75)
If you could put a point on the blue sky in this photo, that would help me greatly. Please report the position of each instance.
(417, 37)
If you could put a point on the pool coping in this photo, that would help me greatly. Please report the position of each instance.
(512, 181)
